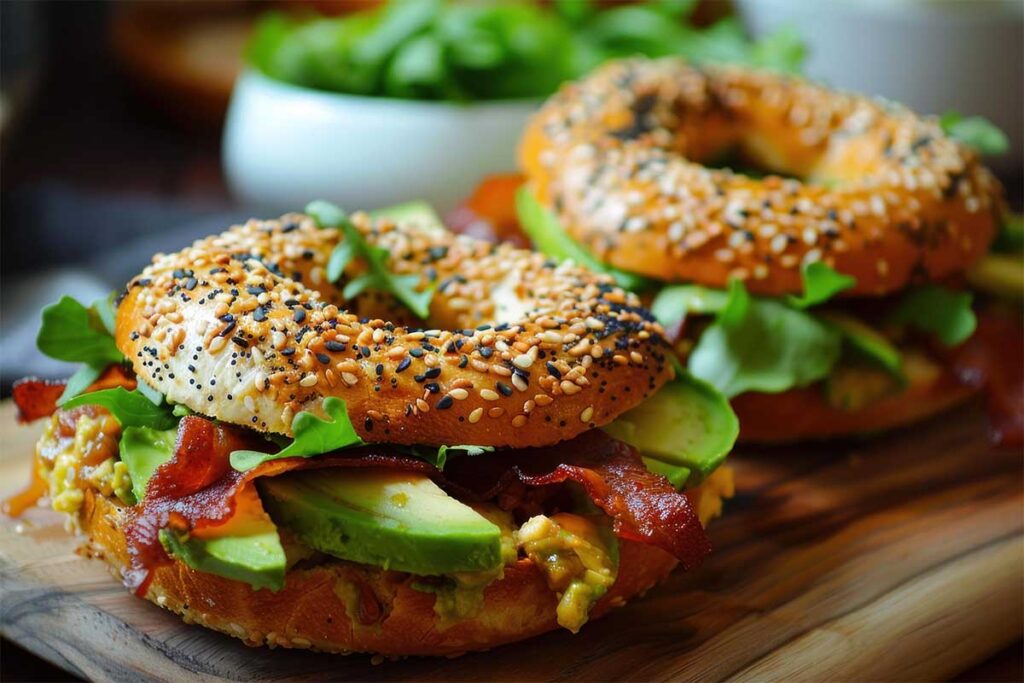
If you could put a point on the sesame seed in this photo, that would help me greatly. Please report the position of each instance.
(475, 416)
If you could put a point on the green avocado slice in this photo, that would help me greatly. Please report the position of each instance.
(251, 552)
(687, 424)
(396, 520)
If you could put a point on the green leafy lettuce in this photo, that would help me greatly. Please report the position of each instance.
(439, 457)
(71, 332)
(976, 132)
(311, 436)
(377, 276)
(763, 345)
(549, 238)
(821, 283)
(446, 50)
(129, 408)
(943, 312)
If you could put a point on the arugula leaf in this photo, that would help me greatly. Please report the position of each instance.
(81, 380)
(439, 457)
(945, 313)
(548, 237)
(866, 343)
(763, 345)
(74, 333)
(129, 408)
(821, 283)
(377, 275)
(975, 131)
(782, 51)
(312, 436)
(672, 304)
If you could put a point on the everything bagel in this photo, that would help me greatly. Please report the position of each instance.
(887, 197)
(244, 327)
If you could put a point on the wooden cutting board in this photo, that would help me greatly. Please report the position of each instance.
(896, 558)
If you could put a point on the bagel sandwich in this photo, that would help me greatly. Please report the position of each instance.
(827, 289)
(367, 434)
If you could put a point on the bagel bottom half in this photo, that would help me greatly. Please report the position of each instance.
(324, 606)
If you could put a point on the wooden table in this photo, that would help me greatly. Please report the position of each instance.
(898, 558)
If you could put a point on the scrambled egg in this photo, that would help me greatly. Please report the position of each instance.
(72, 463)
(707, 499)
(578, 558)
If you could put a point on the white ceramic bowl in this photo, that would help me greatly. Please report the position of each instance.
(285, 145)
(933, 55)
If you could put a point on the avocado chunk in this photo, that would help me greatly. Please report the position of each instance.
(395, 520)
(246, 549)
(686, 424)
(143, 449)
(255, 558)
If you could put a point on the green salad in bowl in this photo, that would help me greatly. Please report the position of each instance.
(425, 97)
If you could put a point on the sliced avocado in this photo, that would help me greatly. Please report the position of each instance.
(676, 475)
(686, 424)
(246, 549)
(143, 449)
(867, 341)
(256, 559)
(395, 520)
(420, 213)
(548, 237)
(999, 274)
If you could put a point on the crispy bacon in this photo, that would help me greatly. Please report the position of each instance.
(197, 488)
(643, 505)
(36, 398)
(991, 360)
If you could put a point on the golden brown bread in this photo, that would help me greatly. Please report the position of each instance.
(245, 327)
(884, 195)
(805, 413)
(320, 606)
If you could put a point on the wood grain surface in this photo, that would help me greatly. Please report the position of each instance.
(899, 558)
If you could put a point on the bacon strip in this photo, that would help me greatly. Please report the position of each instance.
(36, 398)
(197, 488)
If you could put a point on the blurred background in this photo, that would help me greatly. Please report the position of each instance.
(132, 127)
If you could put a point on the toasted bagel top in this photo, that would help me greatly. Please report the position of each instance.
(517, 350)
(886, 196)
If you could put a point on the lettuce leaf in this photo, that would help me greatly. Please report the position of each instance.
(763, 345)
(943, 312)
(311, 436)
(377, 275)
(129, 408)
(548, 237)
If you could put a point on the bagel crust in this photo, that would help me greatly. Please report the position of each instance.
(314, 609)
(888, 197)
(244, 327)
